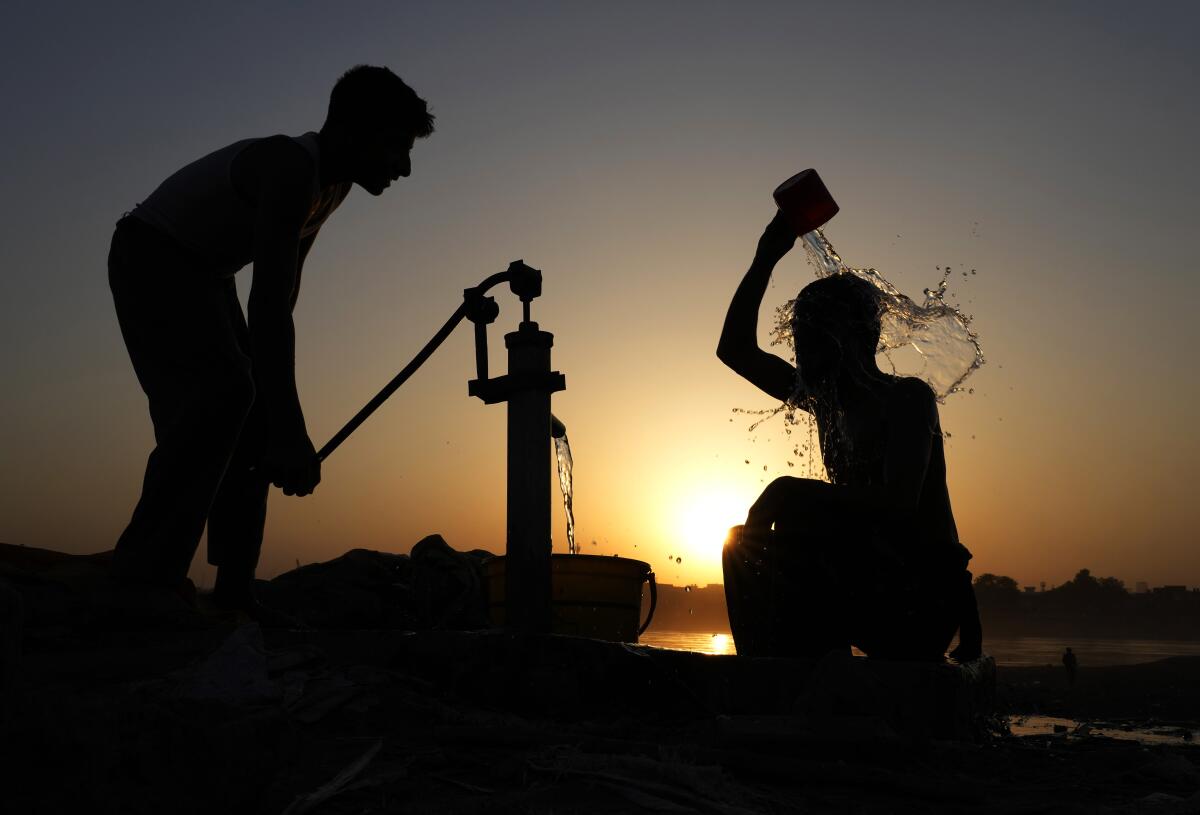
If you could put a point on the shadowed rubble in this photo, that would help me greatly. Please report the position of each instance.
(240, 719)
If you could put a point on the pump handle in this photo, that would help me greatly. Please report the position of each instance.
(525, 282)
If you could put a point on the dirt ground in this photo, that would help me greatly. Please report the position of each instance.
(349, 722)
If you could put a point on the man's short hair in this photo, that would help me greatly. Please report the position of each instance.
(369, 97)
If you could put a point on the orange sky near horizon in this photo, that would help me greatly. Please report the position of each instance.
(629, 152)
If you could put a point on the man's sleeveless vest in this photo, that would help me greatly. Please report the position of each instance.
(199, 207)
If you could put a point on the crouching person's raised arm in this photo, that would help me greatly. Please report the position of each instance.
(738, 347)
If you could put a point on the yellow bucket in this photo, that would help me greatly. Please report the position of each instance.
(591, 595)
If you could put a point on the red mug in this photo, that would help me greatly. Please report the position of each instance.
(805, 201)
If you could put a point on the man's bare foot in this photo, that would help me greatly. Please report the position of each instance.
(967, 651)
(245, 606)
(123, 603)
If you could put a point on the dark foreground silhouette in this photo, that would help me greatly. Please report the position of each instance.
(247, 719)
(872, 558)
(222, 391)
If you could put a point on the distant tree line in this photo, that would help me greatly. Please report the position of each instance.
(1087, 606)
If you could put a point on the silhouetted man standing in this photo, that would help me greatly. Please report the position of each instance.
(222, 392)
(1071, 663)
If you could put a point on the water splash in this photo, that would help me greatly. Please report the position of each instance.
(562, 452)
(932, 341)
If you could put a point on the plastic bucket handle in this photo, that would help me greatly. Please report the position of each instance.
(653, 603)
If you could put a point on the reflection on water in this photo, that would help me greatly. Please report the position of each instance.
(1011, 651)
(719, 643)
(1022, 651)
(1031, 651)
(1071, 729)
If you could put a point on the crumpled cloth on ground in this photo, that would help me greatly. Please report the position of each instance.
(434, 587)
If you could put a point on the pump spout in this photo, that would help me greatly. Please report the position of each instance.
(558, 430)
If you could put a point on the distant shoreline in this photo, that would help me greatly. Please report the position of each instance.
(1119, 615)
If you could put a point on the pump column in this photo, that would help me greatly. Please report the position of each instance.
(527, 565)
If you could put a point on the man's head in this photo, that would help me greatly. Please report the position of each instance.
(374, 118)
(836, 320)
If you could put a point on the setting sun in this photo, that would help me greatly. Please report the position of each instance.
(704, 517)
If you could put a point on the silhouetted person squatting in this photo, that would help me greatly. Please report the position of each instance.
(873, 558)
(1071, 663)
(222, 393)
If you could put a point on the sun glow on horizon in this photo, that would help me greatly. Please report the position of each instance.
(704, 516)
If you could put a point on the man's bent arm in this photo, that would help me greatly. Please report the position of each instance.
(305, 245)
(283, 206)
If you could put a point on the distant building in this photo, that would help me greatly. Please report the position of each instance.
(1030, 589)
(1141, 588)
(1171, 590)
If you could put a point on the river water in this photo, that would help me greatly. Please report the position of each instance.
(1011, 651)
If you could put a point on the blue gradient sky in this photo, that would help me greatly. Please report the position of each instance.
(629, 151)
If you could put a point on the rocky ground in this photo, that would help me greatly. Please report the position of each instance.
(363, 721)
(98, 718)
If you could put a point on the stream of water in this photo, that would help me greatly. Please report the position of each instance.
(562, 452)
(932, 341)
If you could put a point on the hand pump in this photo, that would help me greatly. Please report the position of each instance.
(526, 387)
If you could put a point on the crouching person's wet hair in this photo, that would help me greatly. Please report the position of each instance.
(844, 305)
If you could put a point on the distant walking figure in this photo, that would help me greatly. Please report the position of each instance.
(873, 558)
(1071, 663)
(222, 392)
